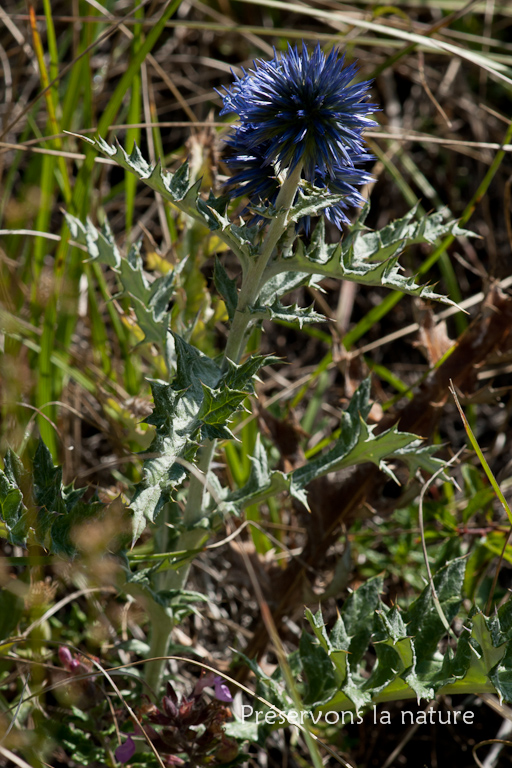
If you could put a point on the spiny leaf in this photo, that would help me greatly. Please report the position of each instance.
(47, 490)
(320, 680)
(260, 480)
(281, 284)
(175, 416)
(501, 675)
(198, 403)
(409, 659)
(58, 508)
(100, 244)
(397, 638)
(422, 618)
(217, 408)
(277, 311)
(242, 376)
(262, 484)
(357, 615)
(419, 456)
(392, 444)
(372, 258)
(404, 232)
(351, 420)
(385, 673)
(316, 622)
(193, 368)
(482, 648)
(336, 644)
(311, 201)
(213, 211)
(357, 444)
(177, 189)
(13, 511)
(149, 302)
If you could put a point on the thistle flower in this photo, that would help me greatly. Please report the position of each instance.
(302, 108)
(260, 183)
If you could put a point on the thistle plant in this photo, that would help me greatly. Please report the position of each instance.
(299, 156)
(300, 111)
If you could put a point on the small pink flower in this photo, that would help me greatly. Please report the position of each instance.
(173, 760)
(205, 681)
(66, 659)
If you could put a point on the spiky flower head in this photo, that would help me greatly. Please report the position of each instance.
(257, 181)
(300, 108)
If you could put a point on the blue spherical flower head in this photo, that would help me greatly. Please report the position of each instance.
(259, 182)
(302, 109)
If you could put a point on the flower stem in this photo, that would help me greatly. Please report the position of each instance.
(251, 287)
(193, 535)
(252, 284)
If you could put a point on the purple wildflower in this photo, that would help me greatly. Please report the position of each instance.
(125, 751)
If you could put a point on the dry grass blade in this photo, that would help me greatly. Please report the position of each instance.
(497, 70)
(14, 758)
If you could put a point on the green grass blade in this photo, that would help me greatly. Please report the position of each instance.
(80, 198)
(483, 461)
(133, 134)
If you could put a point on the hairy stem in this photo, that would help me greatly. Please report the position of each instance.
(161, 628)
(249, 292)
(161, 622)
(194, 535)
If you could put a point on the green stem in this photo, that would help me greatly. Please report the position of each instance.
(194, 535)
(249, 292)
(162, 623)
(194, 508)
(161, 629)
(252, 284)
